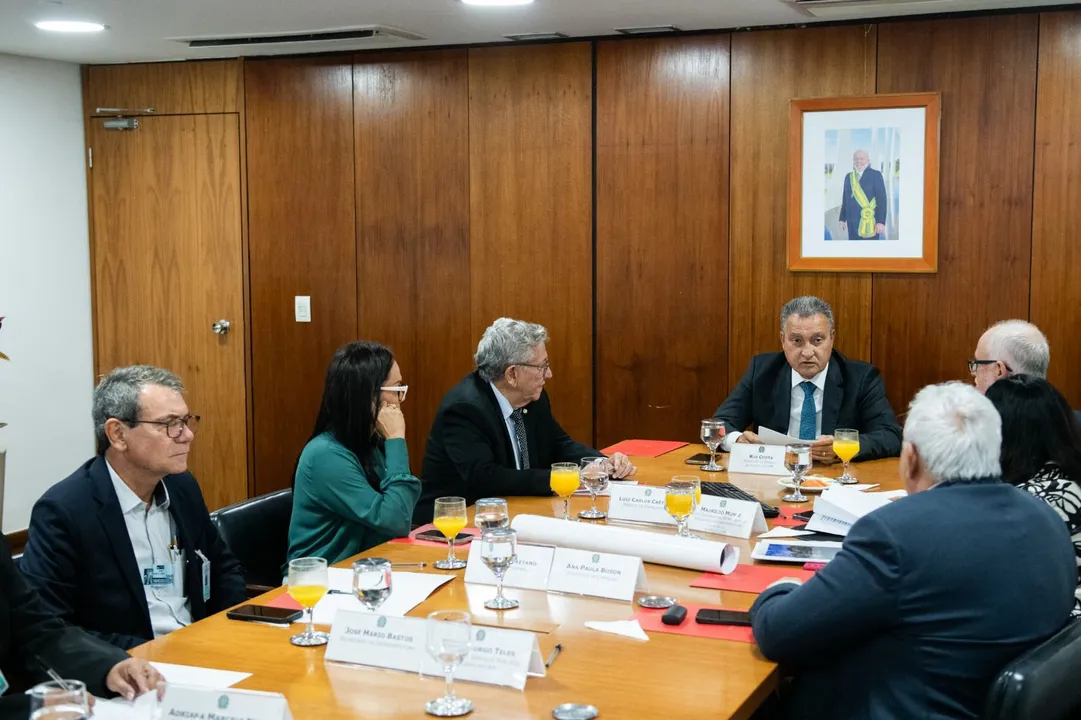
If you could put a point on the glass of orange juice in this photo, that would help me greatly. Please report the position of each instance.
(308, 582)
(449, 519)
(846, 444)
(565, 480)
(679, 501)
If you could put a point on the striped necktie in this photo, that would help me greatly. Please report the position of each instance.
(519, 434)
(807, 414)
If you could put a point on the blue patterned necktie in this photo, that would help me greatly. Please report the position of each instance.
(523, 446)
(807, 414)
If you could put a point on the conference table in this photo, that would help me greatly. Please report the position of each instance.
(670, 675)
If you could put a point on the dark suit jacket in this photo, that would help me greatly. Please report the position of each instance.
(929, 599)
(469, 453)
(874, 187)
(29, 631)
(80, 559)
(854, 397)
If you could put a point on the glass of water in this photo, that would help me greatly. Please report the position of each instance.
(372, 581)
(595, 472)
(712, 436)
(65, 700)
(491, 513)
(499, 550)
(797, 459)
(449, 639)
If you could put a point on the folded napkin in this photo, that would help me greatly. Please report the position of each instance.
(626, 628)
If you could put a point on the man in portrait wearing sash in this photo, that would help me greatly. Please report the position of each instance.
(863, 201)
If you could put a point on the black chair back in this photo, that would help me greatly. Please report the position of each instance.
(1042, 683)
(257, 531)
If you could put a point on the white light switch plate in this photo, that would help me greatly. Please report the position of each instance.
(303, 307)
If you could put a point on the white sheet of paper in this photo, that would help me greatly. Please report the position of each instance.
(838, 508)
(625, 628)
(772, 437)
(891, 494)
(608, 490)
(142, 708)
(784, 532)
(408, 590)
(199, 676)
(862, 486)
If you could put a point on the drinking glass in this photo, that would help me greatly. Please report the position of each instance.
(308, 579)
(846, 445)
(712, 435)
(66, 700)
(449, 519)
(449, 639)
(498, 550)
(697, 483)
(372, 581)
(595, 473)
(491, 513)
(564, 482)
(679, 501)
(797, 459)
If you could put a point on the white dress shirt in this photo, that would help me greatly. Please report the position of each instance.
(507, 409)
(795, 410)
(152, 531)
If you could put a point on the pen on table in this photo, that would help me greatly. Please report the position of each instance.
(53, 675)
(555, 653)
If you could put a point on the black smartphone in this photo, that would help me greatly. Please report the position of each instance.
(436, 536)
(699, 459)
(709, 616)
(264, 613)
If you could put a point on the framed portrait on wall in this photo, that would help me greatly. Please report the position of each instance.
(863, 184)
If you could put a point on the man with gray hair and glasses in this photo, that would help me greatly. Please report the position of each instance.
(931, 595)
(494, 433)
(1010, 347)
(124, 547)
(809, 390)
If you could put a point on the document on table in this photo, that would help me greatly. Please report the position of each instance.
(607, 491)
(772, 437)
(199, 676)
(839, 507)
(142, 708)
(407, 591)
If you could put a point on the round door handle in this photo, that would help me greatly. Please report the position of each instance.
(221, 327)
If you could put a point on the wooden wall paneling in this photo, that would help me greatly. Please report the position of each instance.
(412, 185)
(768, 69)
(1056, 212)
(662, 235)
(302, 242)
(926, 326)
(171, 88)
(530, 171)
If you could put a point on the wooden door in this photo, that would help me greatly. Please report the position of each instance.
(168, 264)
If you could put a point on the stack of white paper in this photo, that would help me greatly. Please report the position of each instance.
(608, 490)
(839, 507)
(407, 591)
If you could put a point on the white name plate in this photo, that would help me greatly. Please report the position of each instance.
(382, 641)
(757, 459)
(529, 571)
(498, 657)
(184, 702)
(725, 516)
(639, 503)
(604, 575)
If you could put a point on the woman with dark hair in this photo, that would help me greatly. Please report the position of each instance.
(352, 489)
(1041, 449)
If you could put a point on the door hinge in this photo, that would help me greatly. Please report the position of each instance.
(90, 157)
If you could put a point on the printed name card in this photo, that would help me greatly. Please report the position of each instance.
(639, 503)
(604, 575)
(529, 571)
(181, 701)
(725, 516)
(757, 459)
(498, 656)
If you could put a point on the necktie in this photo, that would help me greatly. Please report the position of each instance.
(523, 446)
(807, 414)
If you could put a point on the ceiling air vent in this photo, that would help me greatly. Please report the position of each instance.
(536, 36)
(854, 9)
(373, 32)
(647, 29)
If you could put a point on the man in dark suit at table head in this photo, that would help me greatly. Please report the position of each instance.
(931, 595)
(494, 433)
(809, 390)
(124, 547)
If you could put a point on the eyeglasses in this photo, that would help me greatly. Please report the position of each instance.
(974, 365)
(400, 389)
(543, 367)
(174, 428)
